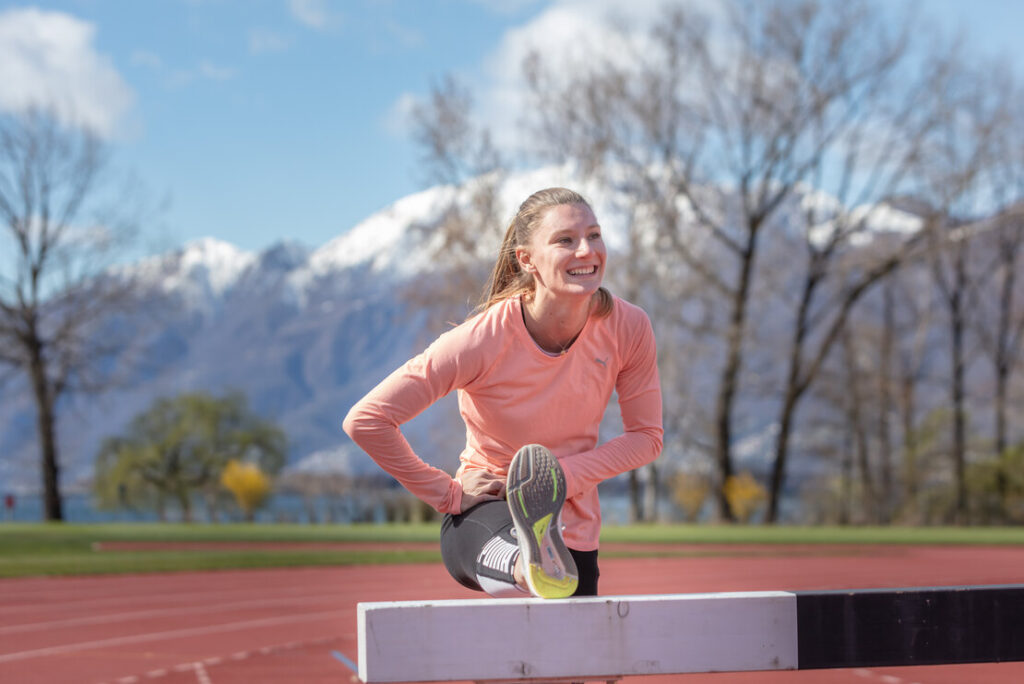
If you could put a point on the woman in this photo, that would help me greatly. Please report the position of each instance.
(534, 367)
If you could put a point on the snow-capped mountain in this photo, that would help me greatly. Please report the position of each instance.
(303, 333)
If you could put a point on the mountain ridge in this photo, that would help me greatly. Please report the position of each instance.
(303, 332)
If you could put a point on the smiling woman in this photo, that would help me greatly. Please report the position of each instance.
(534, 368)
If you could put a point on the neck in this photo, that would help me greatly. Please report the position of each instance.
(555, 324)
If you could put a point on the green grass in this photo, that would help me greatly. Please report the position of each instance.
(65, 549)
(743, 534)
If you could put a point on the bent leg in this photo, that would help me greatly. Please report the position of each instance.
(477, 545)
(479, 549)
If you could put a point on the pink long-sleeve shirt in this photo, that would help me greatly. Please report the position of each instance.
(512, 393)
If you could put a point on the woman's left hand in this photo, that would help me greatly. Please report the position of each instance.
(479, 485)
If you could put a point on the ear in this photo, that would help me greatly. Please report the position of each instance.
(523, 257)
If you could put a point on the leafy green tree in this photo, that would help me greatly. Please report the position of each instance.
(179, 447)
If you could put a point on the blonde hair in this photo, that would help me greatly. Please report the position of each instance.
(508, 279)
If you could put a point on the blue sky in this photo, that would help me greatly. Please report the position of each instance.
(263, 120)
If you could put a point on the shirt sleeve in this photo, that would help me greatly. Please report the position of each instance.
(639, 391)
(373, 423)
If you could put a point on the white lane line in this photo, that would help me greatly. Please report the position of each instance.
(204, 675)
(201, 674)
(162, 612)
(171, 634)
(187, 597)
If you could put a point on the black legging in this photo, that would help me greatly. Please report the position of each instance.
(464, 535)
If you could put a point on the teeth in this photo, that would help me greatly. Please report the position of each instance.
(583, 271)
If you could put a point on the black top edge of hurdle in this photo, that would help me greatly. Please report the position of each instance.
(912, 626)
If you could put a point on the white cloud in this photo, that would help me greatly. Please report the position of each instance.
(398, 120)
(179, 77)
(49, 59)
(215, 72)
(404, 35)
(144, 58)
(262, 41)
(508, 7)
(315, 14)
(573, 33)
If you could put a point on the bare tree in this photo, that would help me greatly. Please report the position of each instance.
(761, 103)
(907, 325)
(59, 237)
(858, 425)
(999, 320)
(885, 401)
(959, 159)
(1000, 289)
(458, 155)
(886, 120)
(464, 232)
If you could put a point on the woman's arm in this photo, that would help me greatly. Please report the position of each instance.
(373, 423)
(639, 391)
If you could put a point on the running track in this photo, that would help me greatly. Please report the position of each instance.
(298, 625)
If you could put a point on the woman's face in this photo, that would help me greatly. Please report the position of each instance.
(566, 254)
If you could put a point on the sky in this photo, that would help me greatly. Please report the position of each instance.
(255, 121)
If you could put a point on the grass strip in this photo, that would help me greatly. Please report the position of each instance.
(61, 549)
(782, 534)
(84, 563)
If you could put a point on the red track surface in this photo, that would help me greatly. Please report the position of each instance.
(283, 625)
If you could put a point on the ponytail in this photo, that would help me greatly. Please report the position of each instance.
(508, 279)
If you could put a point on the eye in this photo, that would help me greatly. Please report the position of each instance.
(595, 235)
(564, 240)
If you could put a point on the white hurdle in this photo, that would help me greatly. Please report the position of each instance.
(585, 638)
(606, 638)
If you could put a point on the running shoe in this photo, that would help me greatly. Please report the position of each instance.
(536, 492)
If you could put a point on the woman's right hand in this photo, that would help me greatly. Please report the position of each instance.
(479, 485)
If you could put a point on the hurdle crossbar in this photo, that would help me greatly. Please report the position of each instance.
(615, 636)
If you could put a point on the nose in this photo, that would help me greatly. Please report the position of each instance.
(583, 247)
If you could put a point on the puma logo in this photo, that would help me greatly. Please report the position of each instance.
(601, 361)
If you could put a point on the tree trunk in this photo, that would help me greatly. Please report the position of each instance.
(730, 374)
(53, 508)
(186, 505)
(907, 409)
(855, 418)
(870, 497)
(1003, 362)
(959, 421)
(846, 482)
(1002, 482)
(793, 391)
(884, 401)
(651, 493)
(636, 511)
(781, 454)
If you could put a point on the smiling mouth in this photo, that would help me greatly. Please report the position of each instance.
(589, 270)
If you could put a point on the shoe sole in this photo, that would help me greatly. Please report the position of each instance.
(536, 492)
